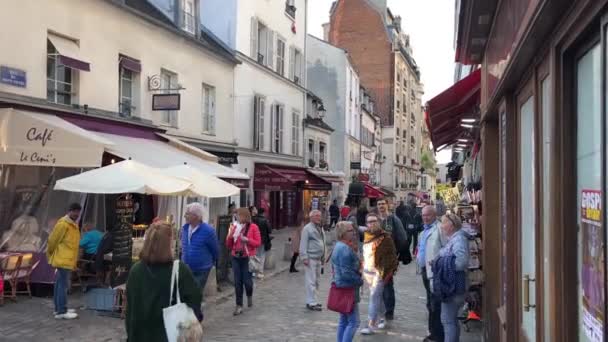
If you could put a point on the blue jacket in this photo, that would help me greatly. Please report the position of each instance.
(201, 251)
(449, 269)
(346, 264)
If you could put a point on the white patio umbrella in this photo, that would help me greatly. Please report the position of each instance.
(202, 184)
(127, 176)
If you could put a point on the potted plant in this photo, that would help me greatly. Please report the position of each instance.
(311, 162)
(322, 164)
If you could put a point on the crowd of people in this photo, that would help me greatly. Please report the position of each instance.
(371, 243)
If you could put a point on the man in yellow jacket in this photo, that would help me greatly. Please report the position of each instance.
(62, 253)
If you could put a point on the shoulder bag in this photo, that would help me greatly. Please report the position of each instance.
(180, 321)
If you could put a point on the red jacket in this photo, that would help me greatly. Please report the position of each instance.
(250, 248)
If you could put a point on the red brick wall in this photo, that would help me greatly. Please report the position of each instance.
(359, 29)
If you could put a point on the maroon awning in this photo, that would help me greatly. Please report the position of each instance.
(269, 177)
(129, 63)
(68, 53)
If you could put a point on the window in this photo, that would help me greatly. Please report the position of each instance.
(398, 105)
(280, 63)
(404, 104)
(397, 159)
(322, 153)
(398, 77)
(404, 133)
(296, 66)
(290, 9)
(208, 109)
(59, 78)
(423, 182)
(397, 132)
(189, 16)
(277, 128)
(311, 151)
(262, 41)
(258, 122)
(295, 133)
(126, 92)
(168, 84)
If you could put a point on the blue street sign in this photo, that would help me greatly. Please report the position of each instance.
(12, 76)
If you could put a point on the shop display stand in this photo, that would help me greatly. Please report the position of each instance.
(473, 299)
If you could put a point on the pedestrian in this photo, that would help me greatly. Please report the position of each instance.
(200, 248)
(440, 206)
(62, 254)
(346, 267)
(379, 265)
(334, 213)
(392, 225)
(401, 213)
(149, 287)
(232, 212)
(265, 230)
(312, 252)
(295, 242)
(430, 242)
(413, 225)
(89, 241)
(449, 282)
(344, 211)
(243, 240)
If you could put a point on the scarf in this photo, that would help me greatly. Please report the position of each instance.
(238, 228)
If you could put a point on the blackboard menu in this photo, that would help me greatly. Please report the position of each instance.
(122, 240)
(223, 224)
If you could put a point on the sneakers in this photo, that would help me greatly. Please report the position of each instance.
(67, 315)
(314, 307)
(382, 324)
(368, 331)
(237, 311)
(69, 311)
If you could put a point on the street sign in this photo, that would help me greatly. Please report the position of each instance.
(12, 76)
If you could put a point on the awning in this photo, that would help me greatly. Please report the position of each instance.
(68, 53)
(28, 138)
(445, 111)
(372, 191)
(129, 63)
(175, 142)
(162, 155)
(269, 177)
(329, 176)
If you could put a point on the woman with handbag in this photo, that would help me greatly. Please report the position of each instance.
(347, 281)
(379, 265)
(243, 240)
(150, 292)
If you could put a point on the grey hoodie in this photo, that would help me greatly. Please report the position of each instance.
(312, 242)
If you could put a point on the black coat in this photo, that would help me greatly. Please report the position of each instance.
(265, 230)
(334, 211)
(392, 224)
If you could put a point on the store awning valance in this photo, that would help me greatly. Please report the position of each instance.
(68, 53)
(446, 110)
(329, 176)
(162, 155)
(28, 138)
(373, 192)
(285, 178)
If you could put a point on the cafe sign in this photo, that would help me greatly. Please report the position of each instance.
(34, 139)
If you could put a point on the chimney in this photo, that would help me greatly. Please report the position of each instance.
(326, 28)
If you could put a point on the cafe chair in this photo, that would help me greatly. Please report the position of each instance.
(24, 274)
(84, 273)
(10, 268)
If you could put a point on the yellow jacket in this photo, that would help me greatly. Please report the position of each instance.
(62, 250)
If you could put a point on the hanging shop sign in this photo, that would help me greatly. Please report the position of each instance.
(592, 270)
(13, 77)
(355, 165)
(166, 102)
(122, 240)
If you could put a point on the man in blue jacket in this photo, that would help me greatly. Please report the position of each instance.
(199, 244)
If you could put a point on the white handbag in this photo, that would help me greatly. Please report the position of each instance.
(181, 324)
(255, 264)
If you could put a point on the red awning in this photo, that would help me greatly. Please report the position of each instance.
(373, 192)
(445, 111)
(269, 177)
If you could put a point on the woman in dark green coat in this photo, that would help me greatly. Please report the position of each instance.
(149, 285)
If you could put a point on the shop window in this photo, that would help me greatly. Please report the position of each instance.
(59, 78)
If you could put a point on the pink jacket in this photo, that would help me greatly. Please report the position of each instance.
(249, 248)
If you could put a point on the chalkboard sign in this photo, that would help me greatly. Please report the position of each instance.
(122, 240)
(223, 225)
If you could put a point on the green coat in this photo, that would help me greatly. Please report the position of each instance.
(148, 289)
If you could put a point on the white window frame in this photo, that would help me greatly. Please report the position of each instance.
(310, 154)
(189, 16)
(208, 109)
(295, 133)
(322, 156)
(277, 120)
(296, 65)
(280, 58)
(168, 84)
(259, 107)
(53, 94)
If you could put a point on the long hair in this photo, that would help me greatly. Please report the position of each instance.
(245, 213)
(157, 245)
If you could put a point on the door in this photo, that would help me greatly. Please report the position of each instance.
(527, 216)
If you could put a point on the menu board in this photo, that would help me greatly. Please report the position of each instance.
(122, 239)
(223, 225)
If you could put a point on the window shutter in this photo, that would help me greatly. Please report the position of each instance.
(212, 110)
(316, 149)
(280, 149)
(261, 124)
(254, 38)
(256, 120)
(273, 129)
(292, 62)
(271, 40)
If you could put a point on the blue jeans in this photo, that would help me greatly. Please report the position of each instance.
(376, 308)
(449, 318)
(201, 279)
(242, 278)
(60, 290)
(348, 325)
(388, 295)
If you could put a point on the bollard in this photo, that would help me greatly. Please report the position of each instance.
(287, 251)
(269, 263)
(211, 286)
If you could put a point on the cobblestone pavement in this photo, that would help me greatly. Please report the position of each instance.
(278, 314)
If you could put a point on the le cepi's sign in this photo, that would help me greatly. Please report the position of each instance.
(39, 137)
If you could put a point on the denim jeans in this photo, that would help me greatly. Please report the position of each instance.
(261, 254)
(433, 306)
(449, 318)
(388, 295)
(348, 325)
(376, 309)
(201, 279)
(60, 290)
(242, 279)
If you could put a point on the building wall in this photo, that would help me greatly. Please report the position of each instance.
(388, 150)
(318, 136)
(103, 31)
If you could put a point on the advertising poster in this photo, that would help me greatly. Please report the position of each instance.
(592, 277)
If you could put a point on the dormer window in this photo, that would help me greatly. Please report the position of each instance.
(290, 9)
(188, 16)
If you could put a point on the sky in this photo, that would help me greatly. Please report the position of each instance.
(430, 24)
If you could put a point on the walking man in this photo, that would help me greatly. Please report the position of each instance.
(334, 213)
(62, 253)
(312, 252)
(392, 225)
(430, 242)
(265, 230)
(199, 244)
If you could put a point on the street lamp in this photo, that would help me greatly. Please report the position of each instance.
(321, 110)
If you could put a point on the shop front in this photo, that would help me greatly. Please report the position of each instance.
(287, 194)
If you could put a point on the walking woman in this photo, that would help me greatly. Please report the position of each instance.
(149, 285)
(379, 265)
(243, 240)
(295, 241)
(346, 267)
(449, 271)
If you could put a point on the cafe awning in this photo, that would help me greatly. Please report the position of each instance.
(28, 138)
(68, 53)
(444, 113)
(373, 192)
(162, 155)
(270, 177)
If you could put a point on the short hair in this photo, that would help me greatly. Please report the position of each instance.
(196, 209)
(314, 211)
(75, 207)
(431, 208)
(382, 199)
(372, 214)
(157, 244)
(245, 213)
(455, 220)
(342, 228)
